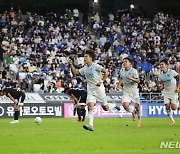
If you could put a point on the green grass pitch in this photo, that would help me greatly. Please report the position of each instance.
(66, 136)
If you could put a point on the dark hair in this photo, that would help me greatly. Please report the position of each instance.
(91, 53)
(164, 61)
(129, 59)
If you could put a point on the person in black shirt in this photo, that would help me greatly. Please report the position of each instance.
(1, 56)
(17, 97)
(79, 98)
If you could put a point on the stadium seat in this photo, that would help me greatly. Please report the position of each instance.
(22, 75)
(63, 59)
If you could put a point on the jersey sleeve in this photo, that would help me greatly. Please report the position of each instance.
(98, 67)
(81, 71)
(135, 74)
(174, 73)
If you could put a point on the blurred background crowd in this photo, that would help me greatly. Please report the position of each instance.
(35, 48)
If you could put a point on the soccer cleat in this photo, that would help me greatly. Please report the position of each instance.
(88, 127)
(134, 115)
(117, 107)
(138, 124)
(14, 122)
(172, 123)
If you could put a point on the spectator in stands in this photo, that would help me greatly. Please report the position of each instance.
(58, 85)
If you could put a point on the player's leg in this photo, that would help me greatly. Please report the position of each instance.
(74, 111)
(129, 109)
(91, 100)
(126, 101)
(16, 114)
(79, 113)
(17, 108)
(173, 106)
(168, 109)
(101, 97)
(138, 113)
(83, 112)
(169, 113)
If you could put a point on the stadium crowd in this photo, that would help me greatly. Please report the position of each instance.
(35, 49)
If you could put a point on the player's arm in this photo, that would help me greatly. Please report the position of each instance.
(105, 76)
(73, 70)
(119, 84)
(137, 80)
(11, 98)
(178, 83)
(134, 78)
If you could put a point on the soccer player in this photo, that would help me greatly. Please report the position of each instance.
(171, 82)
(17, 97)
(79, 98)
(95, 75)
(129, 79)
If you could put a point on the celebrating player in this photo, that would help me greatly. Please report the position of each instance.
(129, 78)
(171, 81)
(95, 87)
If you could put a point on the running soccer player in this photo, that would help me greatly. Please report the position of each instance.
(171, 82)
(129, 79)
(79, 98)
(95, 87)
(17, 97)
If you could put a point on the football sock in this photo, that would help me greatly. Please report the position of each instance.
(83, 114)
(90, 117)
(138, 115)
(16, 114)
(169, 113)
(79, 114)
(129, 109)
(74, 112)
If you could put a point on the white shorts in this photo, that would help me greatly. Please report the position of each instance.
(171, 98)
(96, 94)
(128, 97)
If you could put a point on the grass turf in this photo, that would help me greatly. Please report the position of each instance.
(66, 136)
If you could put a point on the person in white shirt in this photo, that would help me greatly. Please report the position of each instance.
(171, 82)
(95, 87)
(129, 78)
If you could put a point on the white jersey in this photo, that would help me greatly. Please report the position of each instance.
(93, 74)
(169, 81)
(129, 86)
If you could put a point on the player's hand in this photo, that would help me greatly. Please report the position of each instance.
(118, 87)
(129, 77)
(70, 62)
(156, 73)
(177, 90)
(99, 84)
